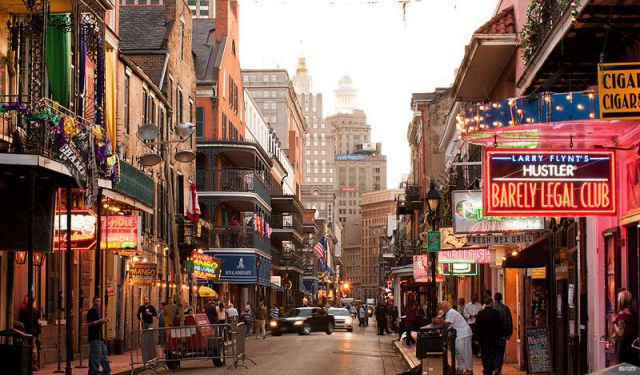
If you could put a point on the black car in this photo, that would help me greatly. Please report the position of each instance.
(304, 320)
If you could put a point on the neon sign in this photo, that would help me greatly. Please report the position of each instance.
(82, 234)
(142, 273)
(479, 256)
(120, 232)
(549, 182)
(206, 267)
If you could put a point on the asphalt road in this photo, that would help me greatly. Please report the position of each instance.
(352, 353)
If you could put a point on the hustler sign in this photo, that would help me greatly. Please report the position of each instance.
(549, 182)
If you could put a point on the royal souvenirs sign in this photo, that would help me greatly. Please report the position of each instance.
(549, 182)
(619, 90)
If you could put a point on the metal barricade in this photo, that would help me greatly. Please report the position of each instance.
(169, 346)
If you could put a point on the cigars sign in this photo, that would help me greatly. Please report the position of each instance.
(549, 182)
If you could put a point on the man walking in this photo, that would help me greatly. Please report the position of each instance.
(471, 310)
(381, 318)
(146, 312)
(170, 312)
(489, 326)
(97, 348)
(453, 319)
(507, 329)
(261, 316)
(361, 314)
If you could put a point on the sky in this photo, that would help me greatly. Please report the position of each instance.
(388, 54)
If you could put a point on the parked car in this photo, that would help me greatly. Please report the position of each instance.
(304, 320)
(342, 317)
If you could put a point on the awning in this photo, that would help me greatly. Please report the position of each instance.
(240, 268)
(533, 256)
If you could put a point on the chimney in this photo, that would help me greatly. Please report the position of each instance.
(226, 16)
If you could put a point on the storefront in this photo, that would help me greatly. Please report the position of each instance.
(244, 277)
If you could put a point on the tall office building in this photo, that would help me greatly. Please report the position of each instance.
(361, 168)
(319, 174)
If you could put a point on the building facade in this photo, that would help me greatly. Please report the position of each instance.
(376, 208)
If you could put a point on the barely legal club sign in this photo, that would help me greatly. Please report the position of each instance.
(549, 182)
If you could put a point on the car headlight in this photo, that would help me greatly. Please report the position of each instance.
(298, 323)
(348, 321)
(273, 323)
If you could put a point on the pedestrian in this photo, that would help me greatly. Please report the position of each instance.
(507, 329)
(420, 317)
(97, 348)
(453, 319)
(31, 325)
(232, 313)
(389, 316)
(170, 312)
(161, 334)
(261, 317)
(274, 314)
(247, 318)
(146, 312)
(409, 323)
(381, 318)
(471, 310)
(361, 314)
(625, 323)
(353, 311)
(368, 312)
(221, 313)
(211, 310)
(490, 333)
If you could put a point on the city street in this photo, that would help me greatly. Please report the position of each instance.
(357, 352)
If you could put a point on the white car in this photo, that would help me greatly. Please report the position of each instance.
(343, 318)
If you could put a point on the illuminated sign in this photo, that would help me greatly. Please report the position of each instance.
(549, 182)
(458, 269)
(452, 241)
(142, 273)
(206, 267)
(479, 256)
(500, 239)
(276, 281)
(120, 233)
(351, 157)
(83, 230)
(619, 89)
(422, 269)
(468, 218)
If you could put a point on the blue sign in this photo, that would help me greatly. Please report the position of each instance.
(351, 157)
(240, 268)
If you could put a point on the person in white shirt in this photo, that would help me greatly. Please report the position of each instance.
(471, 310)
(232, 313)
(453, 319)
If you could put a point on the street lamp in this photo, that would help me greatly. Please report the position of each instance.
(149, 133)
(433, 206)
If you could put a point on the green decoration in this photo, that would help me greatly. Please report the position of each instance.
(59, 57)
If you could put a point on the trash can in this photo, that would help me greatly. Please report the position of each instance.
(431, 339)
(16, 352)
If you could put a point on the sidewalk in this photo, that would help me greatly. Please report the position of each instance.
(119, 366)
(409, 356)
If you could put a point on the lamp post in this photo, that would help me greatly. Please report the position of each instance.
(148, 134)
(433, 218)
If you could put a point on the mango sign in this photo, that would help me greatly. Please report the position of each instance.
(619, 90)
(142, 273)
(549, 182)
(206, 267)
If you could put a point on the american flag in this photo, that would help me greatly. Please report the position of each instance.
(319, 250)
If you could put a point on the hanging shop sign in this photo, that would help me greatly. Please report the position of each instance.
(468, 217)
(500, 239)
(479, 256)
(549, 182)
(458, 269)
(619, 89)
(433, 241)
(206, 267)
(120, 233)
(452, 241)
(276, 281)
(422, 269)
(82, 234)
(142, 273)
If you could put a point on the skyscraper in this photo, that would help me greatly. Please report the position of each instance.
(318, 185)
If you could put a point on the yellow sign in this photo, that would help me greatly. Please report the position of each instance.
(619, 90)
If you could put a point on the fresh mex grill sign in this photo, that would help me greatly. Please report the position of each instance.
(549, 182)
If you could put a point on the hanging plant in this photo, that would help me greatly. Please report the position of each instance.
(540, 17)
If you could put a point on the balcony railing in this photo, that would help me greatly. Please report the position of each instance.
(238, 238)
(412, 193)
(285, 221)
(188, 234)
(542, 16)
(233, 180)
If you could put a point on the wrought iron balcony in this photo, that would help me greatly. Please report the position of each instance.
(190, 236)
(287, 221)
(413, 193)
(233, 180)
(226, 237)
